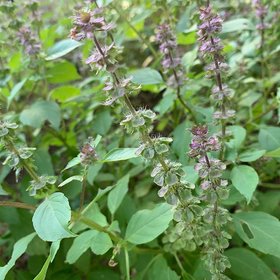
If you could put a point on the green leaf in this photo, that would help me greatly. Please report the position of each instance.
(182, 139)
(99, 242)
(145, 225)
(189, 58)
(259, 230)
(146, 76)
(93, 171)
(117, 194)
(43, 162)
(250, 156)
(62, 72)
(51, 218)
(73, 162)
(274, 153)
(245, 179)
(62, 48)
(119, 154)
(64, 93)
(166, 102)
(15, 90)
(237, 24)
(248, 265)
(19, 248)
(15, 62)
(102, 122)
(43, 272)
(161, 270)
(101, 193)
(238, 134)
(269, 138)
(93, 213)
(70, 179)
(41, 111)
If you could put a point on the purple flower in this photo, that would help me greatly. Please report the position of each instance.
(88, 154)
(261, 10)
(211, 24)
(86, 22)
(28, 40)
(168, 47)
(97, 58)
(211, 47)
(201, 143)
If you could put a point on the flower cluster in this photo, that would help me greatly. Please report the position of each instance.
(209, 170)
(117, 89)
(170, 62)
(214, 188)
(41, 185)
(18, 156)
(86, 22)
(261, 13)
(29, 41)
(87, 25)
(167, 174)
(201, 143)
(211, 47)
(142, 117)
(88, 154)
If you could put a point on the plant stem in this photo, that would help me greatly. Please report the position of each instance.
(178, 89)
(17, 205)
(131, 108)
(127, 264)
(92, 224)
(183, 271)
(84, 182)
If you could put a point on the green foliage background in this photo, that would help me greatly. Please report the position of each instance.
(56, 100)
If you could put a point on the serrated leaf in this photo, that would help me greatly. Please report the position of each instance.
(119, 154)
(259, 230)
(117, 194)
(146, 225)
(245, 179)
(62, 48)
(19, 248)
(51, 218)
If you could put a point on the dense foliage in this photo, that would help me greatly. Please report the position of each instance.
(139, 140)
